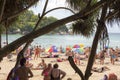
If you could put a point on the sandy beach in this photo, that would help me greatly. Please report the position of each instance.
(7, 65)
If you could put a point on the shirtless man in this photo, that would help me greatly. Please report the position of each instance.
(23, 72)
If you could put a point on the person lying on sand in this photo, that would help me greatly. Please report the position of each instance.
(101, 69)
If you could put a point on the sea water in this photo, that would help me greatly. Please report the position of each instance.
(66, 40)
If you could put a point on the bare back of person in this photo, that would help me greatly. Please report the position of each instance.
(22, 73)
(55, 74)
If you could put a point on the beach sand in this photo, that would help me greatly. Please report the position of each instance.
(7, 65)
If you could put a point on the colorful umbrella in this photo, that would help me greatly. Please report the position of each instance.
(53, 49)
(76, 46)
(78, 50)
(68, 48)
(81, 45)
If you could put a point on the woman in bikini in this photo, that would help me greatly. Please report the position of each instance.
(46, 72)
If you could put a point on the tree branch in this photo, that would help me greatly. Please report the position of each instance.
(2, 9)
(112, 14)
(60, 8)
(45, 7)
(77, 70)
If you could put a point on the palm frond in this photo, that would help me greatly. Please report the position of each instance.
(77, 4)
(115, 6)
(14, 6)
(85, 28)
(104, 38)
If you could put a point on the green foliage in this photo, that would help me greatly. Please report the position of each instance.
(47, 20)
(27, 21)
(85, 28)
(15, 6)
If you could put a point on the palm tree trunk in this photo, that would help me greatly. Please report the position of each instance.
(0, 41)
(100, 28)
(92, 54)
(21, 54)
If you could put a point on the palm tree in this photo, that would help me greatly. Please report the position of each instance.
(101, 34)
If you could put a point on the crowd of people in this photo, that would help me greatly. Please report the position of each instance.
(53, 72)
(37, 51)
(49, 72)
(111, 53)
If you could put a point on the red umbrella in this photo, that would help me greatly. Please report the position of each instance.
(50, 50)
(76, 46)
(68, 48)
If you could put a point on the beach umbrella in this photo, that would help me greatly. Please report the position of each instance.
(68, 48)
(52, 49)
(81, 45)
(77, 50)
(46, 50)
(76, 46)
(81, 50)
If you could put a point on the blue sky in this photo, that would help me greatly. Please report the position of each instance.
(63, 13)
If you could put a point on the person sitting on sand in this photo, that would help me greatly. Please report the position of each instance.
(23, 72)
(41, 66)
(46, 72)
(28, 64)
(57, 74)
